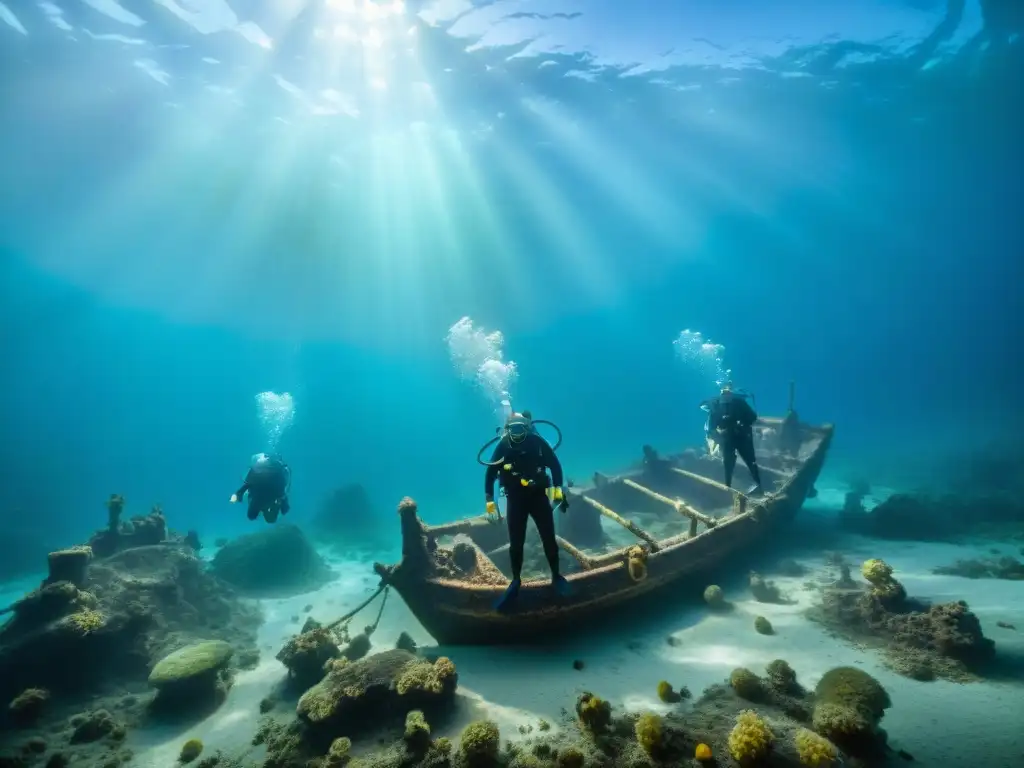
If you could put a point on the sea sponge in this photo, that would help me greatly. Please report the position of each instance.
(424, 676)
(714, 596)
(813, 750)
(190, 750)
(750, 739)
(848, 705)
(478, 745)
(763, 626)
(876, 571)
(702, 753)
(648, 732)
(417, 732)
(852, 687)
(746, 684)
(339, 754)
(570, 757)
(594, 712)
(85, 622)
(667, 694)
(781, 676)
(443, 745)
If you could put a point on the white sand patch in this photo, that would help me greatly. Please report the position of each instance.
(939, 723)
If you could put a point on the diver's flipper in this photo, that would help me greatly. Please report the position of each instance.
(508, 599)
(561, 586)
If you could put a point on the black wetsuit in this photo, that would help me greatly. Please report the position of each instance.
(732, 424)
(267, 486)
(528, 461)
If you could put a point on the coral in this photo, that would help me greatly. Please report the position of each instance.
(478, 745)
(339, 753)
(417, 732)
(570, 757)
(368, 690)
(306, 654)
(702, 753)
(813, 750)
(746, 684)
(667, 694)
(190, 662)
(84, 622)
(750, 739)
(648, 733)
(190, 750)
(28, 705)
(95, 726)
(922, 641)
(594, 713)
(848, 706)
(781, 677)
(193, 679)
(763, 626)
(853, 688)
(714, 596)
(424, 676)
(878, 573)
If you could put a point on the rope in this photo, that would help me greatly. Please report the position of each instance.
(360, 607)
(373, 627)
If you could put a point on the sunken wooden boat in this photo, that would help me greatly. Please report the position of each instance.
(678, 519)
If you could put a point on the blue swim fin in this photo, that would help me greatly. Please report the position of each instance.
(561, 586)
(511, 593)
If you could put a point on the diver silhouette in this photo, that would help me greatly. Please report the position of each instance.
(520, 461)
(730, 428)
(267, 483)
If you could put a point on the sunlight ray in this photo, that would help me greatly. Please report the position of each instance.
(630, 191)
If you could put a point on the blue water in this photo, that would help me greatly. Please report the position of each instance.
(206, 200)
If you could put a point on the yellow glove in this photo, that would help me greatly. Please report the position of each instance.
(556, 494)
(234, 498)
(492, 508)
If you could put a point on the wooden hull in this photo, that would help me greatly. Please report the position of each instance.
(456, 612)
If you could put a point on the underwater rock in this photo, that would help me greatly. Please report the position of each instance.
(137, 605)
(140, 531)
(920, 517)
(376, 689)
(765, 591)
(193, 678)
(1009, 568)
(922, 641)
(278, 559)
(348, 519)
(68, 565)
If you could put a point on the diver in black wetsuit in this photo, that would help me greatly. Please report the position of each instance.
(519, 460)
(267, 484)
(731, 424)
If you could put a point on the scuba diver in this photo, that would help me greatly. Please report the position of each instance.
(520, 460)
(730, 428)
(267, 483)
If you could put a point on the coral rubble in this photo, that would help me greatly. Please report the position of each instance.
(922, 641)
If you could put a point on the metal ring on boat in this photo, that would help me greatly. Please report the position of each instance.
(636, 563)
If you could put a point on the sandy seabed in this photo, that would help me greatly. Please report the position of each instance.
(939, 723)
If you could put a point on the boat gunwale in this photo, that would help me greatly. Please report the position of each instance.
(761, 506)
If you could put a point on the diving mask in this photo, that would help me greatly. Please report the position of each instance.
(517, 427)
